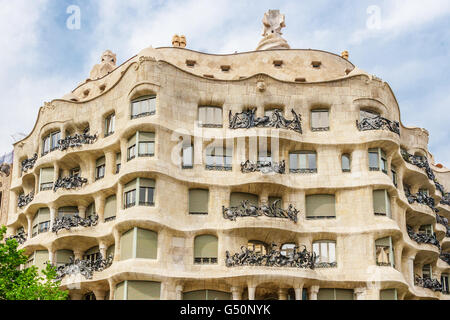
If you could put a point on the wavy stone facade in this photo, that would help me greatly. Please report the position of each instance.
(344, 242)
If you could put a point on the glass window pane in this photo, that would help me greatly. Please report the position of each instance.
(373, 160)
(312, 161)
(345, 162)
(303, 158)
(293, 161)
(324, 252)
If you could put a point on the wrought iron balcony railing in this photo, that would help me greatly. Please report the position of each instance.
(324, 265)
(303, 170)
(143, 114)
(422, 237)
(442, 220)
(263, 167)
(69, 222)
(246, 209)
(247, 120)
(70, 182)
(85, 268)
(273, 258)
(28, 164)
(421, 198)
(205, 260)
(446, 199)
(219, 167)
(77, 140)
(427, 283)
(23, 200)
(21, 237)
(378, 123)
(445, 257)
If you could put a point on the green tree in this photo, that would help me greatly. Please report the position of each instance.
(25, 284)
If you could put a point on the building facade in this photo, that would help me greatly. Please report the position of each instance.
(5, 182)
(273, 174)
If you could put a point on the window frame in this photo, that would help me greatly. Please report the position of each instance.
(328, 261)
(110, 124)
(307, 161)
(346, 155)
(318, 129)
(209, 125)
(152, 106)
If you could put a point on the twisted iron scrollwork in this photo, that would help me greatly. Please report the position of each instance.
(28, 164)
(442, 220)
(421, 198)
(446, 199)
(86, 268)
(71, 182)
(422, 237)
(77, 140)
(21, 237)
(247, 119)
(445, 257)
(378, 123)
(427, 283)
(274, 258)
(69, 222)
(246, 209)
(23, 200)
(263, 167)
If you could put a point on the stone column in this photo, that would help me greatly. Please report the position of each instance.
(237, 293)
(119, 198)
(313, 291)
(52, 216)
(36, 184)
(299, 292)
(76, 296)
(251, 293)
(78, 254)
(100, 207)
(110, 160)
(30, 227)
(360, 293)
(179, 292)
(282, 294)
(116, 245)
(82, 211)
(99, 294)
(102, 247)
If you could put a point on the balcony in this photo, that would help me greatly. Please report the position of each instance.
(274, 258)
(423, 238)
(219, 167)
(302, 170)
(263, 167)
(428, 283)
(69, 222)
(247, 120)
(445, 257)
(21, 237)
(85, 268)
(77, 140)
(421, 198)
(205, 260)
(143, 114)
(70, 182)
(446, 199)
(246, 209)
(378, 123)
(28, 164)
(23, 200)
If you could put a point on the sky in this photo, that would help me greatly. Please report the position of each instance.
(47, 47)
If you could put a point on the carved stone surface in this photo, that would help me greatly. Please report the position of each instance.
(108, 64)
(263, 167)
(86, 268)
(28, 164)
(423, 238)
(273, 21)
(247, 119)
(71, 182)
(5, 168)
(273, 258)
(23, 200)
(77, 140)
(246, 209)
(428, 283)
(69, 222)
(378, 123)
(21, 237)
(421, 198)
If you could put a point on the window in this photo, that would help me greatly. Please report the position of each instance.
(110, 123)
(277, 200)
(90, 210)
(145, 142)
(427, 272)
(335, 294)
(424, 192)
(110, 208)
(92, 254)
(394, 175)
(75, 172)
(118, 162)
(366, 114)
(264, 154)
(384, 252)
(50, 142)
(207, 295)
(146, 196)
(287, 249)
(46, 177)
(388, 294)
(131, 149)
(187, 156)
(219, 158)
(320, 206)
(63, 257)
(130, 194)
(325, 251)
(89, 296)
(100, 168)
(302, 162)
(41, 221)
(145, 189)
(143, 106)
(444, 283)
(67, 212)
(346, 164)
(236, 199)
(320, 120)
(138, 243)
(210, 117)
(38, 259)
(426, 229)
(198, 201)
(381, 203)
(377, 160)
(205, 249)
(258, 247)
(137, 290)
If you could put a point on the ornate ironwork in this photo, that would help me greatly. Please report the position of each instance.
(77, 140)
(86, 268)
(273, 258)
(445, 257)
(428, 283)
(422, 237)
(28, 164)
(247, 119)
(421, 198)
(325, 265)
(263, 167)
(69, 222)
(21, 237)
(378, 123)
(218, 167)
(70, 182)
(440, 187)
(246, 209)
(303, 170)
(442, 220)
(446, 199)
(23, 200)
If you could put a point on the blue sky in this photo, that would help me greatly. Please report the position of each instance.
(406, 43)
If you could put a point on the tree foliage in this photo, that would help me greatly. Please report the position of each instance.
(18, 283)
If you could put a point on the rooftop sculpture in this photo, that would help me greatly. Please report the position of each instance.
(273, 21)
(107, 65)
